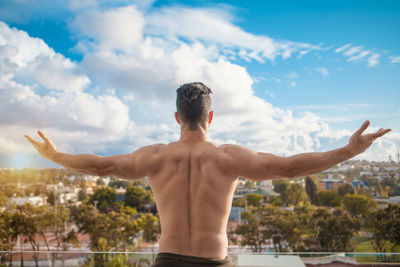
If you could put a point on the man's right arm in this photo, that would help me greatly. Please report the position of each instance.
(258, 166)
(129, 166)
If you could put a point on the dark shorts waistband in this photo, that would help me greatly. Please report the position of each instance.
(165, 259)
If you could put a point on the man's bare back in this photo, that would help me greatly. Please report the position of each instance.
(193, 192)
(193, 180)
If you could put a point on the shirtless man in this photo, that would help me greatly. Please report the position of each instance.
(193, 180)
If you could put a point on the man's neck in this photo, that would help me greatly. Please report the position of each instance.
(193, 136)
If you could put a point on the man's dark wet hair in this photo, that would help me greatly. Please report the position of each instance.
(193, 103)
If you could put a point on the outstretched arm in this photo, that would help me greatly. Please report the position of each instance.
(247, 163)
(129, 166)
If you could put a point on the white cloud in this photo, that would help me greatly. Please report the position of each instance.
(146, 62)
(293, 84)
(394, 59)
(324, 71)
(215, 26)
(359, 56)
(338, 107)
(356, 53)
(28, 64)
(373, 60)
(342, 48)
(119, 28)
(32, 59)
(352, 50)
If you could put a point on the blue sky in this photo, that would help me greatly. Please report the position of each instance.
(100, 76)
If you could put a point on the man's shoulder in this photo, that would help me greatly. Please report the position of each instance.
(151, 149)
(231, 148)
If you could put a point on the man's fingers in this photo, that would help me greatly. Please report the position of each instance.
(363, 127)
(32, 141)
(381, 132)
(44, 137)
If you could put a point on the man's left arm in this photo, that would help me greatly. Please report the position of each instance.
(128, 166)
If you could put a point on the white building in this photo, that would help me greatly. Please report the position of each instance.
(63, 193)
(33, 200)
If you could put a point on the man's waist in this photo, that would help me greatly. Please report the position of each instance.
(206, 247)
(195, 260)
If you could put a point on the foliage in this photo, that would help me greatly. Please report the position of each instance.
(117, 228)
(239, 202)
(328, 199)
(334, 229)
(137, 197)
(277, 225)
(302, 229)
(311, 190)
(3, 199)
(104, 199)
(100, 182)
(269, 222)
(254, 199)
(276, 201)
(107, 231)
(118, 183)
(150, 224)
(346, 188)
(296, 194)
(290, 193)
(386, 228)
(359, 205)
(82, 196)
(280, 187)
(51, 197)
(250, 232)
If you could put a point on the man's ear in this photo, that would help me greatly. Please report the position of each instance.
(210, 116)
(177, 118)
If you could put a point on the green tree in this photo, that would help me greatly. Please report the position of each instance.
(54, 220)
(312, 190)
(329, 199)
(104, 199)
(118, 183)
(82, 196)
(137, 197)
(334, 229)
(296, 194)
(239, 202)
(276, 201)
(254, 199)
(277, 225)
(150, 224)
(3, 199)
(346, 188)
(386, 228)
(51, 197)
(100, 182)
(280, 187)
(115, 231)
(250, 232)
(264, 223)
(300, 230)
(290, 193)
(8, 234)
(21, 226)
(359, 205)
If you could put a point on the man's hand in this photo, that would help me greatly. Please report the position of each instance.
(359, 142)
(46, 149)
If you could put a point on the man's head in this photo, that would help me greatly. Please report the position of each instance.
(193, 103)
